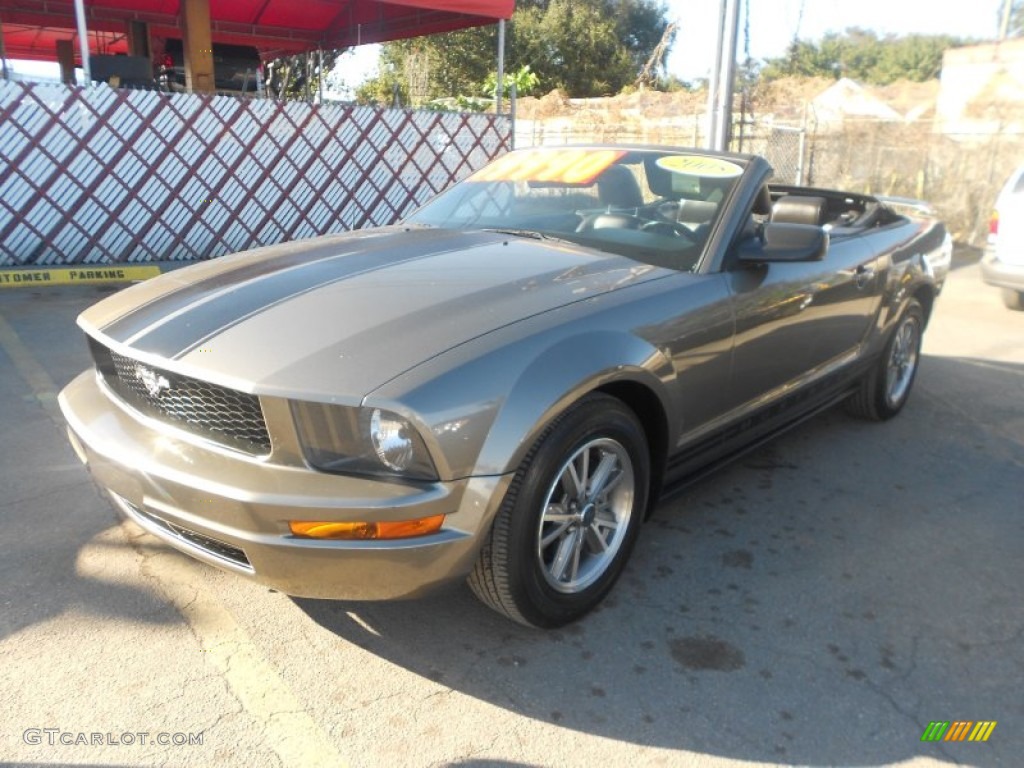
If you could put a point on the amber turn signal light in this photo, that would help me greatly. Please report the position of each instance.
(399, 529)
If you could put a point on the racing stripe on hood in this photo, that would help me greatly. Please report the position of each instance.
(178, 322)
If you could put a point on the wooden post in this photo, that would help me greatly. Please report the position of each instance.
(66, 60)
(138, 39)
(198, 46)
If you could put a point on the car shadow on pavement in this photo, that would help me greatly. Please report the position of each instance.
(821, 601)
(65, 552)
(966, 255)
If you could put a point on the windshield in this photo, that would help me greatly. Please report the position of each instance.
(653, 206)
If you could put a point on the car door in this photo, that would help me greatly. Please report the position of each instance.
(796, 322)
(846, 302)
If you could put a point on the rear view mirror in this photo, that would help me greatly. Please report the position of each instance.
(785, 242)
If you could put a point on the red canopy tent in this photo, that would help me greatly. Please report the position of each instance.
(32, 28)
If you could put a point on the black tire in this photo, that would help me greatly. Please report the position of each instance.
(1013, 299)
(550, 585)
(885, 389)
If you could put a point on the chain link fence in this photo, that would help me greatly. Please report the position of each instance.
(960, 174)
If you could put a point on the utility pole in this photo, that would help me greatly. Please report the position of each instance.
(83, 41)
(3, 52)
(720, 86)
(499, 88)
(711, 139)
(1004, 25)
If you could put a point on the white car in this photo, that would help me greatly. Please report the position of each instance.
(1003, 265)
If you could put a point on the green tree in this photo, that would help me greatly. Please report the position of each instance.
(421, 69)
(586, 57)
(639, 26)
(524, 80)
(916, 58)
(861, 55)
(585, 47)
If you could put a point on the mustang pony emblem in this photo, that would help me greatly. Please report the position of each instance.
(151, 380)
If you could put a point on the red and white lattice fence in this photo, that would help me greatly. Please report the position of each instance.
(100, 175)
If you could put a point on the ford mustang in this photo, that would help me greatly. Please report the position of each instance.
(499, 387)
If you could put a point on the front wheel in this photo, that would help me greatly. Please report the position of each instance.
(885, 389)
(570, 518)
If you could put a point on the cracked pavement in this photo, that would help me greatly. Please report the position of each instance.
(817, 603)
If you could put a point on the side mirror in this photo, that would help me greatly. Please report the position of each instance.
(784, 243)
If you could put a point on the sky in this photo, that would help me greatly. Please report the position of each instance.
(773, 24)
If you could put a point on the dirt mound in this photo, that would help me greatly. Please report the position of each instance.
(785, 97)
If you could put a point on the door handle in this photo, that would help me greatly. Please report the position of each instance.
(864, 276)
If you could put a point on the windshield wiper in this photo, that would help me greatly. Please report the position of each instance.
(532, 234)
(528, 233)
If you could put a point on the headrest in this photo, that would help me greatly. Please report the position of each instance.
(617, 187)
(658, 179)
(800, 209)
(763, 201)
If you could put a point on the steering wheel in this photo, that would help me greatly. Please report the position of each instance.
(609, 220)
(668, 229)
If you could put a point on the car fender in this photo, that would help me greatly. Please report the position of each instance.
(906, 253)
(479, 414)
(908, 279)
(559, 377)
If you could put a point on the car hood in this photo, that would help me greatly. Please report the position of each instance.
(335, 317)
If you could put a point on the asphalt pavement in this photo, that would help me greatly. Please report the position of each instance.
(819, 602)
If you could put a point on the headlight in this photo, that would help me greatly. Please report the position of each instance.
(392, 440)
(361, 441)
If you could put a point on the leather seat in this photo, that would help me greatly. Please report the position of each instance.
(800, 209)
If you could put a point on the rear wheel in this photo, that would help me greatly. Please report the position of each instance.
(1013, 299)
(885, 389)
(569, 519)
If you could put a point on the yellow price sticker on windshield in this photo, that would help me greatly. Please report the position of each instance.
(565, 166)
(699, 165)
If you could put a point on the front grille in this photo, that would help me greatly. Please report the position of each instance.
(221, 414)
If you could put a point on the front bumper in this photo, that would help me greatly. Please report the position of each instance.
(232, 510)
(1001, 274)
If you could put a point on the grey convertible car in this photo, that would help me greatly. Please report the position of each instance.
(500, 386)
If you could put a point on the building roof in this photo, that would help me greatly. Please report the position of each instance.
(847, 98)
(276, 27)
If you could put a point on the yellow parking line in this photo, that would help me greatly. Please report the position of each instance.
(31, 372)
(293, 734)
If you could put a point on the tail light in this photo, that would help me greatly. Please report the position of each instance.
(993, 224)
